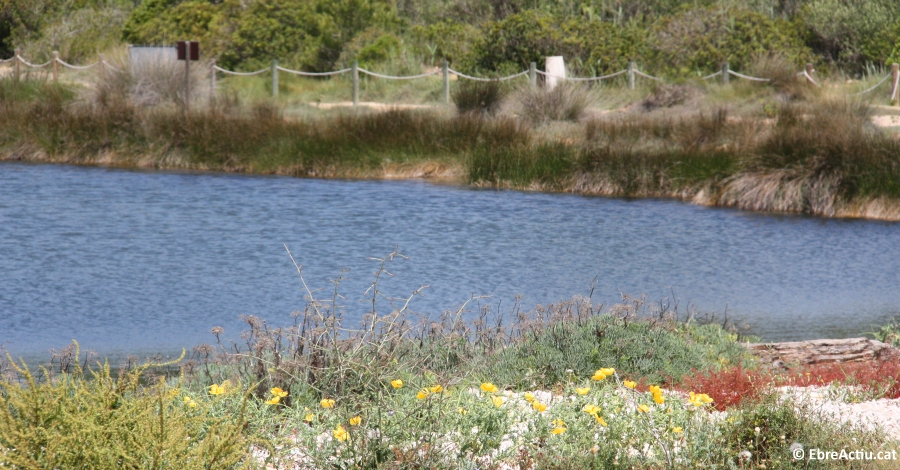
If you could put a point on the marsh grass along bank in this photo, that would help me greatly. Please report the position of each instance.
(817, 156)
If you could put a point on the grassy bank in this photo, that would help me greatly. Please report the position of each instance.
(563, 386)
(810, 154)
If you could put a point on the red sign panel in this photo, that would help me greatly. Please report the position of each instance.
(186, 48)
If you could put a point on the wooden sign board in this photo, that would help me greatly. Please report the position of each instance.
(186, 48)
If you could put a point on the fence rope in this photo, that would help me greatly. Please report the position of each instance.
(582, 79)
(242, 74)
(7, 60)
(77, 67)
(873, 87)
(298, 72)
(638, 72)
(36, 66)
(714, 75)
(391, 77)
(478, 79)
(811, 80)
(114, 69)
(747, 77)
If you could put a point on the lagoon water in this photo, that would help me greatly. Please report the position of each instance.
(145, 262)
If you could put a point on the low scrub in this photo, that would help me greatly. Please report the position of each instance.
(91, 419)
(567, 101)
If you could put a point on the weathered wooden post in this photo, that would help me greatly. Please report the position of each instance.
(274, 78)
(187, 51)
(630, 74)
(445, 70)
(18, 70)
(55, 66)
(354, 72)
(532, 74)
(895, 76)
(212, 82)
(809, 72)
(726, 77)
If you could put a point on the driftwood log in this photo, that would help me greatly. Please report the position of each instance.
(823, 351)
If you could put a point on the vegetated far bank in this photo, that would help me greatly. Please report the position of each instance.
(819, 156)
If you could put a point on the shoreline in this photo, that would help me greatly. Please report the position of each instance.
(453, 173)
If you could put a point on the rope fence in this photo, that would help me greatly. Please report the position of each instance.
(632, 72)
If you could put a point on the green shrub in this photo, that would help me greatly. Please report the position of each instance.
(654, 350)
(80, 420)
(850, 33)
(516, 41)
(701, 39)
(445, 40)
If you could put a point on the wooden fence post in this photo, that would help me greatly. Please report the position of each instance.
(725, 75)
(274, 78)
(55, 66)
(895, 74)
(809, 72)
(18, 70)
(212, 83)
(354, 72)
(631, 68)
(445, 70)
(532, 74)
(187, 77)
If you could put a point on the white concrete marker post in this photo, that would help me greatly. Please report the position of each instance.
(556, 71)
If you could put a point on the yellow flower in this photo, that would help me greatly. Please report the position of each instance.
(498, 401)
(658, 398)
(309, 417)
(677, 429)
(462, 411)
(529, 397)
(216, 389)
(190, 402)
(582, 390)
(423, 394)
(354, 421)
(629, 383)
(591, 409)
(279, 392)
(538, 406)
(558, 430)
(558, 423)
(341, 434)
(327, 403)
(644, 408)
(273, 401)
(436, 389)
(172, 393)
(488, 387)
(603, 373)
(397, 383)
(600, 420)
(699, 399)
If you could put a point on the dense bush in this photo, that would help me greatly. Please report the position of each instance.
(851, 33)
(700, 40)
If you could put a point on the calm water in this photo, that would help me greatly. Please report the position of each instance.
(139, 262)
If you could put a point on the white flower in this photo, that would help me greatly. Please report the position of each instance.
(796, 446)
(745, 455)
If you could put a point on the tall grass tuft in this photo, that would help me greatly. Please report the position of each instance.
(479, 98)
(567, 101)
